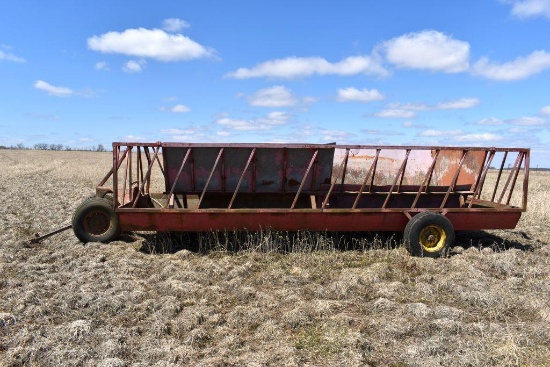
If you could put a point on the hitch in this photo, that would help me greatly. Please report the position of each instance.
(37, 237)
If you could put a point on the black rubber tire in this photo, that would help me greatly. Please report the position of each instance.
(429, 234)
(95, 221)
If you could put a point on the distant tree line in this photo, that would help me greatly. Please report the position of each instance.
(44, 146)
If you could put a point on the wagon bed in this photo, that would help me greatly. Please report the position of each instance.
(199, 187)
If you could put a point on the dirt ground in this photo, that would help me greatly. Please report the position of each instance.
(332, 299)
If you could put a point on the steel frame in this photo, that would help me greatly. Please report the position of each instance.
(337, 206)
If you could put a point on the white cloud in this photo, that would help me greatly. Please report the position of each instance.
(520, 68)
(268, 122)
(478, 137)
(491, 121)
(276, 118)
(531, 8)
(53, 90)
(191, 133)
(428, 50)
(133, 138)
(133, 66)
(396, 114)
(223, 133)
(410, 106)
(433, 132)
(276, 96)
(545, 110)
(458, 104)
(149, 43)
(239, 124)
(309, 100)
(527, 121)
(411, 125)
(179, 108)
(455, 104)
(102, 65)
(8, 56)
(354, 94)
(174, 25)
(296, 67)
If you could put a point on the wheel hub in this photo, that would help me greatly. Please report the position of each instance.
(96, 223)
(432, 238)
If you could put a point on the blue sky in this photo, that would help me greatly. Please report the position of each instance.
(432, 72)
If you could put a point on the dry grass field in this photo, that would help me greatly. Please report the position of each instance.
(328, 300)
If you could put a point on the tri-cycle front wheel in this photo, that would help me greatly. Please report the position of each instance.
(429, 234)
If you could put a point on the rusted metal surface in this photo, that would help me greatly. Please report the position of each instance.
(294, 186)
(39, 237)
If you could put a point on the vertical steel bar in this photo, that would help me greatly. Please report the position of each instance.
(479, 188)
(335, 179)
(304, 179)
(371, 169)
(165, 173)
(193, 186)
(254, 174)
(151, 163)
(178, 175)
(509, 179)
(498, 176)
(427, 178)
(526, 180)
(130, 158)
(139, 171)
(210, 177)
(116, 153)
(455, 178)
(223, 172)
(285, 157)
(514, 179)
(241, 179)
(399, 174)
(125, 181)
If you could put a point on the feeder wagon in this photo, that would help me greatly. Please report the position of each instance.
(427, 192)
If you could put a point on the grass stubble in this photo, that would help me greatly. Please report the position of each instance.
(258, 299)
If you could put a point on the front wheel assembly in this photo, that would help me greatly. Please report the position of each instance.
(429, 234)
(95, 221)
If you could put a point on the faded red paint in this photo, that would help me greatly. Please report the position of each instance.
(255, 186)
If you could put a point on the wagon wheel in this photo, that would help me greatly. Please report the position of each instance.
(429, 234)
(95, 221)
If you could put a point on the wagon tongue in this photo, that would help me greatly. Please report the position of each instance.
(37, 237)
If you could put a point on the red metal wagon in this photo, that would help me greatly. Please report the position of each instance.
(427, 192)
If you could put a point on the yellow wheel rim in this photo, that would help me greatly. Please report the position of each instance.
(432, 238)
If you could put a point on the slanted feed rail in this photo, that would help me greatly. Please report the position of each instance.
(428, 192)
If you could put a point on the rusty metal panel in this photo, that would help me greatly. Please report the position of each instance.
(418, 163)
(375, 220)
(274, 169)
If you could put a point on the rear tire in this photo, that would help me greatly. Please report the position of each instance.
(95, 221)
(429, 234)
